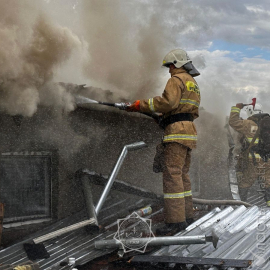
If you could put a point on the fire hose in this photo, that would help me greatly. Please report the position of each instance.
(220, 202)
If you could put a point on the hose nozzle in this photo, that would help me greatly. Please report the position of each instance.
(122, 105)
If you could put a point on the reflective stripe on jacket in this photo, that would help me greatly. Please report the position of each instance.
(247, 128)
(181, 95)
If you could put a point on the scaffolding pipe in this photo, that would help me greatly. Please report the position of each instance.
(129, 147)
(153, 241)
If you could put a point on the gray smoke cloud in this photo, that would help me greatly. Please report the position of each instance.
(128, 40)
(31, 50)
(126, 46)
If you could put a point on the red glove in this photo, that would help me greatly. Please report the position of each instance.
(134, 107)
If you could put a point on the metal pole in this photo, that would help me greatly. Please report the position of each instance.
(153, 241)
(64, 230)
(115, 171)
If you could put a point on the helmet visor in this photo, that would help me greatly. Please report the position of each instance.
(166, 64)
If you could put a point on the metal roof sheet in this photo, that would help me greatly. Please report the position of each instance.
(243, 234)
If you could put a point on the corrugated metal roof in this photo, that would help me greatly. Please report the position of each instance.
(78, 244)
(243, 234)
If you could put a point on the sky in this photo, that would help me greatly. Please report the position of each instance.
(120, 46)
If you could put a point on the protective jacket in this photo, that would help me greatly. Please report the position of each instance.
(247, 128)
(246, 170)
(181, 95)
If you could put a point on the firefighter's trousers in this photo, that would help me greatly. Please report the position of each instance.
(176, 183)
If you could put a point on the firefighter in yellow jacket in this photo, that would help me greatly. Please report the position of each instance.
(247, 171)
(179, 105)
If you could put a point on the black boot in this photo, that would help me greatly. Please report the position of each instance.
(243, 193)
(171, 228)
(189, 221)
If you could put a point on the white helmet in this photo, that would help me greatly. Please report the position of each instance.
(180, 58)
(250, 111)
(177, 57)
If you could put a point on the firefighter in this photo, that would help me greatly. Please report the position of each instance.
(179, 106)
(247, 169)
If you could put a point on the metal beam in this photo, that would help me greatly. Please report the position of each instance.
(143, 259)
(155, 241)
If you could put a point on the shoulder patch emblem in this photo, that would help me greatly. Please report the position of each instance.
(192, 87)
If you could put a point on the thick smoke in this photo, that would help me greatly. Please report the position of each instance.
(31, 50)
(126, 46)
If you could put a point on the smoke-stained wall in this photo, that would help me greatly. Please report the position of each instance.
(85, 138)
(92, 138)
